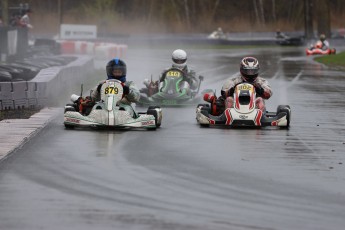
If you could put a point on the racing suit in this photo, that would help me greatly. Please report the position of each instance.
(262, 88)
(132, 96)
(189, 76)
(325, 45)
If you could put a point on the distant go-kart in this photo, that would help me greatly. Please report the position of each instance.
(244, 113)
(108, 113)
(318, 50)
(175, 91)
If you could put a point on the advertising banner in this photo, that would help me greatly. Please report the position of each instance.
(71, 31)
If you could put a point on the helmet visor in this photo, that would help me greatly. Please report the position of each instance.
(250, 72)
(179, 61)
(118, 70)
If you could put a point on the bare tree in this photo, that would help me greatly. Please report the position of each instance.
(323, 21)
(214, 10)
(274, 18)
(261, 7)
(4, 6)
(187, 13)
(256, 12)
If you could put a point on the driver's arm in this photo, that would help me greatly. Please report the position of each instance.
(96, 95)
(326, 44)
(193, 81)
(229, 86)
(265, 88)
(134, 93)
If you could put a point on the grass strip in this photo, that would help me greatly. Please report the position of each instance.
(332, 60)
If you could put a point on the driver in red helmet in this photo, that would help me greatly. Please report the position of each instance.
(249, 72)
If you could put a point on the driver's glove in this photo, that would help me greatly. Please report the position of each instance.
(231, 92)
(125, 90)
(259, 90)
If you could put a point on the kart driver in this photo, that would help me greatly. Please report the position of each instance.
(325, 43)
(249, 71)
(321, 44)
(116, 69)
(179, 58)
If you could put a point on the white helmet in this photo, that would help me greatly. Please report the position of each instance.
(179, 58)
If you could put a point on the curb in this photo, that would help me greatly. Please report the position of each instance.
(14, 133)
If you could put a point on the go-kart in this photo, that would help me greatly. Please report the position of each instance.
(243, 113)
(109, 111)
(290, 41)
(318, 50)
(174, 92)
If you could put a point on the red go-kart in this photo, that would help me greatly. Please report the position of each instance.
(317, 49)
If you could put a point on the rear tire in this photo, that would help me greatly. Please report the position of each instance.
(155, 114)
(70, 109)
(203, 105)
(153, 107)
(287, 110)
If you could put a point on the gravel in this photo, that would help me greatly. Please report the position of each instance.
(17, 114)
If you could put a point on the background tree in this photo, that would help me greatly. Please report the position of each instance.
(324, 20)
(195, 16)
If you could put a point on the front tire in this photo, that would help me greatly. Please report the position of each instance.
(70, 107)
(69, 126)
(286, 109)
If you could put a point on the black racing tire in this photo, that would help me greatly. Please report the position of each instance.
(287, 110)
(69, 126)
(70, 109)
(204, 105)
(153, 107)
(5, 76)
(155, 114)
(207, 109)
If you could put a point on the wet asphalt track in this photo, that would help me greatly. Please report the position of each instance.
(186, 177)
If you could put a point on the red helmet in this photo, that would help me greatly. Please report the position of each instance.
(249, 69)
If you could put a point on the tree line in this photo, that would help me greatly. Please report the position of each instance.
(192, 15)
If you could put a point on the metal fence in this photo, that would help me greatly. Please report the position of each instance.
(46, 86)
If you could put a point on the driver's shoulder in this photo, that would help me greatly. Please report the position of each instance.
(129, 83)
(101, 82)
(259, 78)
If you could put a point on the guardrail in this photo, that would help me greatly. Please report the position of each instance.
(45, 86)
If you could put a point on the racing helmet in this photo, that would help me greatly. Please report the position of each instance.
(249, 69)
(322, 37)
(116, 69)
(179, 58)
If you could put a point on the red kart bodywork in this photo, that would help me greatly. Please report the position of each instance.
(318, 51)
